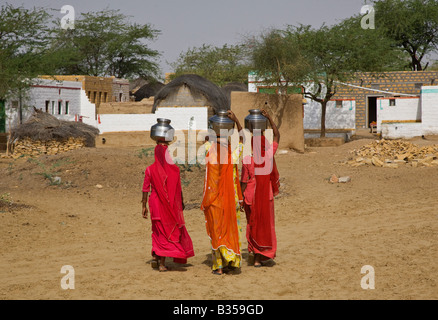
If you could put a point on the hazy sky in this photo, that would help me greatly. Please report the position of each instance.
(191, 23)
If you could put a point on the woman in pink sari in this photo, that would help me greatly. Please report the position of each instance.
(260, 184)
(169, 234)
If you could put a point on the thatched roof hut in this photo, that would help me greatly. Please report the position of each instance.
(199, 87)
(147, 90)
(234, 86)
(44, 127)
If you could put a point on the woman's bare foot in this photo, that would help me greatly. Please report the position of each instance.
(154, 263)
(162, 267)
(218, 271)
(257, 261)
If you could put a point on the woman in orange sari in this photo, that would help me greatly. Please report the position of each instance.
(169, 234)
(260, 184)
(222, 202)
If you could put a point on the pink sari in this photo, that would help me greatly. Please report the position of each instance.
(169, 234)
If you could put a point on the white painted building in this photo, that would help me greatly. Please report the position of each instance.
(408, 117)
(67, 100)
(181, 118)
(340, 113)
(59, 98)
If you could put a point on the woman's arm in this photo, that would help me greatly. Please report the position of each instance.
(144, 201)
(273, 125)
(233, 117)
(182, 201)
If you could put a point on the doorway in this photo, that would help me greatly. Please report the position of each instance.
(372, 110)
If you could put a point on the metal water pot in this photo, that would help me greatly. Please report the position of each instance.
(255, 120)
(220, 121)
(162, 130)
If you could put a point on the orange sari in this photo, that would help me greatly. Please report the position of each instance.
(219, 205)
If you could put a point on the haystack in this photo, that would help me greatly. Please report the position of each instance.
(44, 127)
(198, 86)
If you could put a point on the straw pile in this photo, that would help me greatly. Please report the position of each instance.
(45, 127)
(392, 153)
(45, 134)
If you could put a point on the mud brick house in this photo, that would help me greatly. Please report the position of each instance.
(368, 88)
(99, 89)
(355, 104)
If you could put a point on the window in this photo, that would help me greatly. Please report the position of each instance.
(47, 106)
(66, 107)
(391, 102)
(339, 104)
(53, 107)
(15, 104)
(60, 107)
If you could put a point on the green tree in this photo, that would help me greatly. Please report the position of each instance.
(412, 24)
(434, 66)
(105, 43)
(278, 62)
(320, 59)
(220, 65)
(25, 35)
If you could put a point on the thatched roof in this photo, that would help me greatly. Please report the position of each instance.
(234, 86)
(136, 84)
(44, 127)
(148, 90)
(197, 85)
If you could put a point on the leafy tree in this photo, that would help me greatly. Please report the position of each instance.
(220, 65)
(434, 66)
(319, 59)
(25, 35)
(412, 24)
(105, 43)
(278, 62)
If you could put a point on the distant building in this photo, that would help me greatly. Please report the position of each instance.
(355, 104)
(62, 99)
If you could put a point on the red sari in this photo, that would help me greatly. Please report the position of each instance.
(260, 174)
(169, 234)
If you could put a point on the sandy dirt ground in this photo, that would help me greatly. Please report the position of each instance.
(385, 218)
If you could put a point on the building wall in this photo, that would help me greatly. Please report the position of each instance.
(45, 90)
(120, 90)
(401, 130)
(99, 89)
(403, 82)
(409, 117)
(398, 110)
(340, 114)
(291, 128)
(180, 118)
(429, 106)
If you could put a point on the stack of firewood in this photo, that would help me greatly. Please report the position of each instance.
(34, 148)
(392, 153)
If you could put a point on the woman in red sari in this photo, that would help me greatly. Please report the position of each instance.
(260, 184)
(169, 234)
